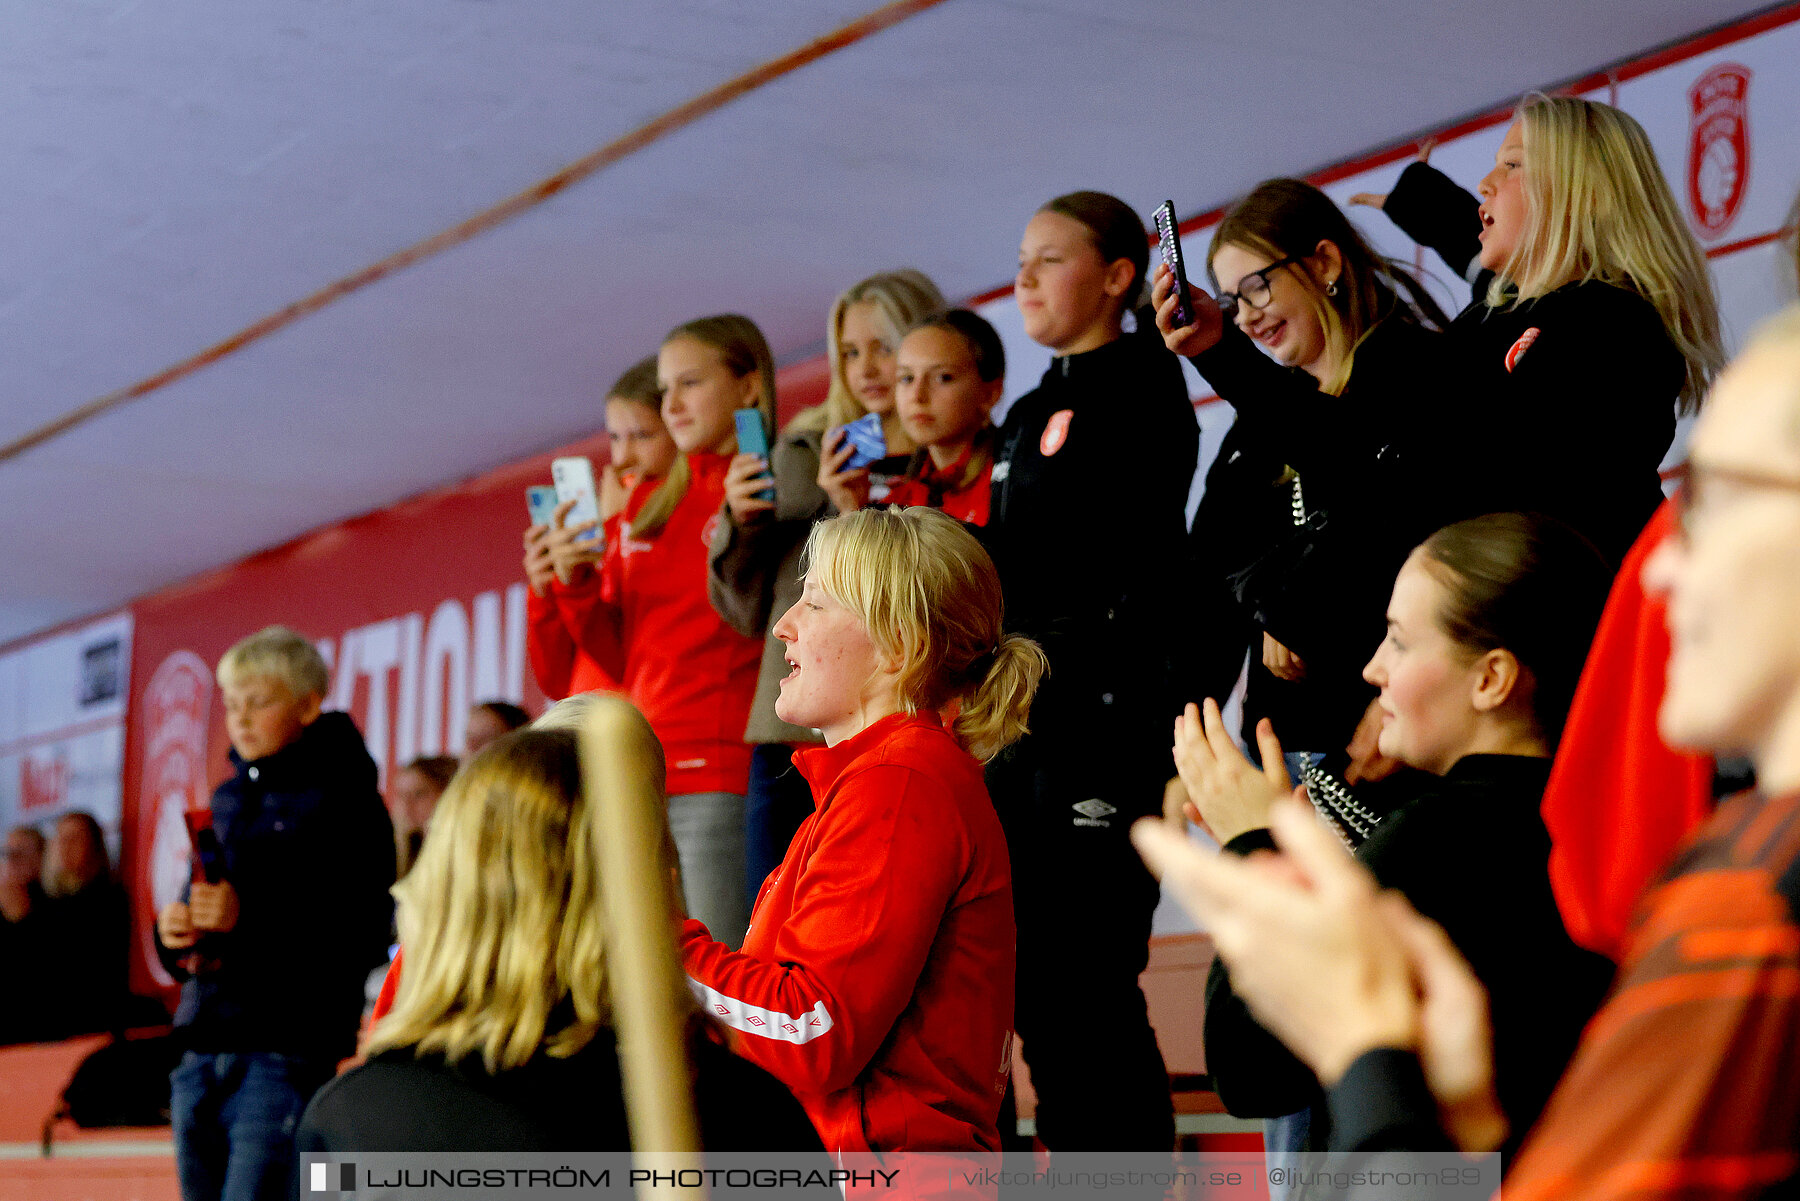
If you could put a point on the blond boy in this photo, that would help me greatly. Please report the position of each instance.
(294, 915)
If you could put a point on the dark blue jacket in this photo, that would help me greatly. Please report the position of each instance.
(310, 850)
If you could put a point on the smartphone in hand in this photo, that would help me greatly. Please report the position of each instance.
(209, 855)
(753, 439)
(1168, 241)
(541, 500)
(574, 480)
(867, 439)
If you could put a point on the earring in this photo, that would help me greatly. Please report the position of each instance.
(1331, 288)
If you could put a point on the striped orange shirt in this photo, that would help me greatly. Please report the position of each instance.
(1687, 1082)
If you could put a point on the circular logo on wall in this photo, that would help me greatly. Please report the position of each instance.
(1718, 172)
(177, 704)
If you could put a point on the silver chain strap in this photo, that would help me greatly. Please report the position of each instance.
(1339, 806)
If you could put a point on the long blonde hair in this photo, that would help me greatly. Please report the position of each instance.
(744, 349)
(929, 596)
(501, 916)
(901, 299)
(1599, 208)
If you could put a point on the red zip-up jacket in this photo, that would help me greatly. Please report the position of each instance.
(562, 668)
(644, 619)
(876, 980)
(937, 490)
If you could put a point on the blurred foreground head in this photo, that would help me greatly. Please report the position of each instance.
(501, 917)
(1732, 569)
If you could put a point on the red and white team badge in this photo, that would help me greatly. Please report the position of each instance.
(1056, 432)
(177, 716)
(709, 529)
(1719, 147)
(1517, 350)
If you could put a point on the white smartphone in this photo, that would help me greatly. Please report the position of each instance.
(574, 480)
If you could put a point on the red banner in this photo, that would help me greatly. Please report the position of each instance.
(419, 610)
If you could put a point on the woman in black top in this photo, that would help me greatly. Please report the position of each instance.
(1316, 502)
(1487, 631)
(500, 1037)
(1594, 319)
(1086, 527)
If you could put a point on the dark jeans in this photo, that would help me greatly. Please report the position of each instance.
(234, 1116)
(779, 801)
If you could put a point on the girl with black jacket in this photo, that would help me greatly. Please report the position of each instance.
(1303, 515)
(1090, 577)
(1597, 319)
(1487, 632)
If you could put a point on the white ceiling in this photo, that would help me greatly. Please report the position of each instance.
(174, 171)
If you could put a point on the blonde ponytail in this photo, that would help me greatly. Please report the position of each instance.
(994, 711)
(661, 506)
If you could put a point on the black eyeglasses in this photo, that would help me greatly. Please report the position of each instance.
(1253, 289)
(1689, 494)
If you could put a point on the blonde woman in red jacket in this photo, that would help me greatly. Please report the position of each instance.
(639, 607)
(876, 979)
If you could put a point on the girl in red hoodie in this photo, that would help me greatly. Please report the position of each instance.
(950, 372)
(641, 612)
(639, 448)
(876, 979)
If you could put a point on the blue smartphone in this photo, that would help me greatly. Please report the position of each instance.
(753, 439)
(868, 443)
(541, 500)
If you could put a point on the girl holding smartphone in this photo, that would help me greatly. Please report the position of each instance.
(950, 373)
(642, 614)
(753, 572)
(867, 322)
(638, 448)
(1331, 368)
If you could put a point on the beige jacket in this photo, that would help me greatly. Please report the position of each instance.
(753, 573)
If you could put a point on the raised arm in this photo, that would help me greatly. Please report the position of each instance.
(1436, 212)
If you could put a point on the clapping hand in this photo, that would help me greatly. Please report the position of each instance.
(1227, 794)
(1336, 968)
